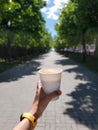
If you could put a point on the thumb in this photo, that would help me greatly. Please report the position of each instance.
(54, 94)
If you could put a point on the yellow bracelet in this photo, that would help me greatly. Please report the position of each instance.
(30, 117)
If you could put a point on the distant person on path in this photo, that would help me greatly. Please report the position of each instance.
(41, 100)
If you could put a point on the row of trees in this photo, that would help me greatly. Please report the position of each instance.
(22, 28)
(78, 24)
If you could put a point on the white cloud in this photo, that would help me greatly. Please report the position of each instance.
(44, 10)
(53, 11)
(47, 1)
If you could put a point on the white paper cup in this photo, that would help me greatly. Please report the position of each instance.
(50, 79)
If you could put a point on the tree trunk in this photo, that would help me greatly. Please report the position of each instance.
(84, 48)
(9, 45)
(96, 47)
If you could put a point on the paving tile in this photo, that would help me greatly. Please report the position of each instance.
(76, 109)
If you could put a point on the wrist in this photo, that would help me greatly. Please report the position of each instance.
(29, 123)
(34, 111)
(30, 117)
(35, 114)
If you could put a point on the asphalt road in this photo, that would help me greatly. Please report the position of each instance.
(76, 109)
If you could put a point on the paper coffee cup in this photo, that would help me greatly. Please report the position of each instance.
(50, 79)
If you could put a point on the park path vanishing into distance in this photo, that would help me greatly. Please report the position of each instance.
(77, 107)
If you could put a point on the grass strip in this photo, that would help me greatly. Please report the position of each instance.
(91, 61)
(8, 64)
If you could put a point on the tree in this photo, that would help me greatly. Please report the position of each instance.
(87, 14)
(77, 18)
(67, 28)
(24, 27)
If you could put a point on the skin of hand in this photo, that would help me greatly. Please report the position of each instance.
(40, 103)
(41, 100)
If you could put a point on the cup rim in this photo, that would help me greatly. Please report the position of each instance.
(58, 69)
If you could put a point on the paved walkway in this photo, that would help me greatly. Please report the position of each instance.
(76, 109)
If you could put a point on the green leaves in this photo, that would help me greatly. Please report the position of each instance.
(27, 26)
(87, 13)
(67, 27)
(11, 6)
(77, 18)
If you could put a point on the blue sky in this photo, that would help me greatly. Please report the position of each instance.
(51, 13)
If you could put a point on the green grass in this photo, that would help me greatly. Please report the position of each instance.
(91, 61)
(5, 64)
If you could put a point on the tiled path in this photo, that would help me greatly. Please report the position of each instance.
(76, 109)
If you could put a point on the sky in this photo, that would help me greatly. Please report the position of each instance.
(51, 13)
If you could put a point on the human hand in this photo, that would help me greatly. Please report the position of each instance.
(41, 100)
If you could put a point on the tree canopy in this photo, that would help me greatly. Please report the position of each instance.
(76, 19)
(23, 26)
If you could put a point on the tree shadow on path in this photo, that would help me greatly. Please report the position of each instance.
(28, 68)
(83, 107)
